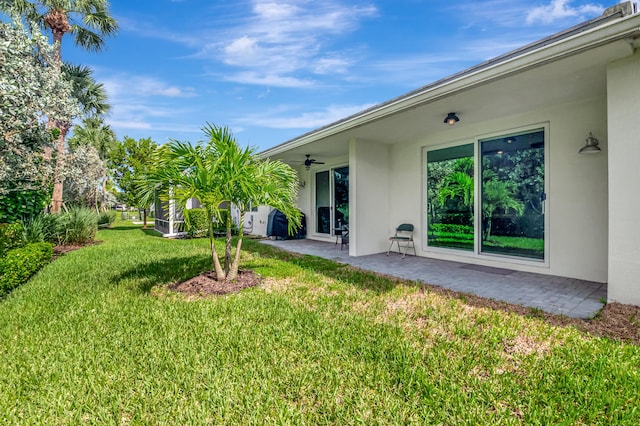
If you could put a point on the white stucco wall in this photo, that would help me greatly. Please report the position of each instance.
(577, 195)
(623, 87)
(369, 197)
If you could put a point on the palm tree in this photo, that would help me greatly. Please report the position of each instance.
(220, 171)
(95, 133)
(91, 95)
(497, 194)
(88, 21)
(458, 185)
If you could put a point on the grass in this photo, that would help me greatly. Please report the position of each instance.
(94, 338)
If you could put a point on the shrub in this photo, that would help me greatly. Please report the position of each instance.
(107, 218)
(196, 222)
(21, 263)
(22, 205)
(78, 226)
(11, 236)
(42, 228)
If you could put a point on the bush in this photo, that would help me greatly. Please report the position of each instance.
(196, 222)
(77, 226)
(11, 236)
(22, 205)
(42, 228)
(107, 218)
(21, 263)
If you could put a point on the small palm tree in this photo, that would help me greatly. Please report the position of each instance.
(220, 171)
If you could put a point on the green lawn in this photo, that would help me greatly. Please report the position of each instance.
(94, 339)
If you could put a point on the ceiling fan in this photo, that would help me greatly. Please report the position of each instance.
(309, 161)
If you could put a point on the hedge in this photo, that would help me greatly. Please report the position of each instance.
(196, 223)
(11, 236)
(450, 228)
(21, 263)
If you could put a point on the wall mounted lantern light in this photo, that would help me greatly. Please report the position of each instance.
(591, 146)
(451, 119)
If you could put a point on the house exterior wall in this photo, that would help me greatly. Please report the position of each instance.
(368, 197)
(576, 197)
(623, 87)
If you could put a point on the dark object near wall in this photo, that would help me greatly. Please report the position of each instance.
(278, 226)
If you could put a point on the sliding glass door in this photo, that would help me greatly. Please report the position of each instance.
(504, 214)
(513, 195)
(450, 190)
(331, 200)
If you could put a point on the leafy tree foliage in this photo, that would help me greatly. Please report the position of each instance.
(93, 132)
(30, 89)
(83, 175)
(131, 161)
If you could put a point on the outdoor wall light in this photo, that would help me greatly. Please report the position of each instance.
(451, 119)
(591, 146)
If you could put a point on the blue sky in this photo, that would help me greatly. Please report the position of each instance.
(272, 70)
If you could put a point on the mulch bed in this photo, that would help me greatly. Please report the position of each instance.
(206, 285)
(64, 249)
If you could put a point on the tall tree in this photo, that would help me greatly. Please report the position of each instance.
(31, 89)
(131, 160)
(93, 132)
(220, 171)
(88, 21)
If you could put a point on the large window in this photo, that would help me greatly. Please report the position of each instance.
(509, 199)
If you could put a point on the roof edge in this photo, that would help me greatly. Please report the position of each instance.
(610, 16)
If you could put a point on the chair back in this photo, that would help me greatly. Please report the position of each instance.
(405, 227)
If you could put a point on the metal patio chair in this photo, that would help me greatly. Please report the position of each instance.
(404, 238)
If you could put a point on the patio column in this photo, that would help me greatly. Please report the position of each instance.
(368, 197)
(623, 103)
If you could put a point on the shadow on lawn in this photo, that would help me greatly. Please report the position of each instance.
(166, 271)
(365, 280)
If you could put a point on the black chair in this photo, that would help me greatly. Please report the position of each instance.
(404, 238)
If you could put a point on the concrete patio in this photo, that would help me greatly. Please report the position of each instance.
(556, 295)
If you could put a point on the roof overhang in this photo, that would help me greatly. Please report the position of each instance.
(584, 50)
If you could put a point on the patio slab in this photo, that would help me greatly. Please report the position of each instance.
(557, 295)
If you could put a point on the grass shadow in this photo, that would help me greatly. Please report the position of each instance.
(360, 278)
(165, 271)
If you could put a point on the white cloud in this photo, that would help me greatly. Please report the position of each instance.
(284, 118)
(271, 80)
(131, 85)
(128, 124)
(287, 37)
(561, 9)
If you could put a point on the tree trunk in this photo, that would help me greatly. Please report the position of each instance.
(233, 273)
(227, 248)
(103, 196)
(58, 179)
(220, 275)
(144, 218)
(56, 20)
